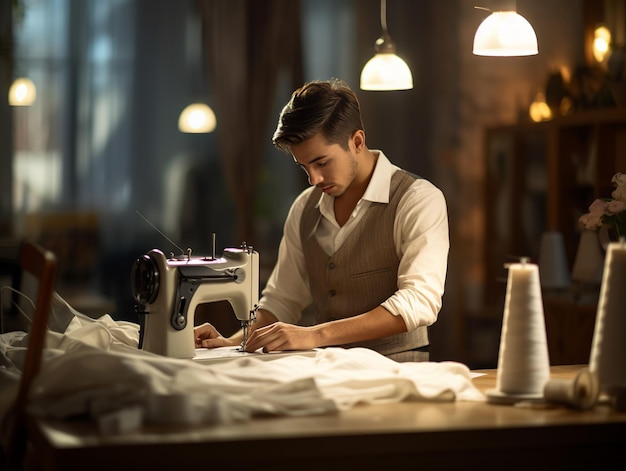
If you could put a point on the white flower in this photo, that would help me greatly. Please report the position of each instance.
(615, 207)
(593, 219)
(619, 180)
(609, 212)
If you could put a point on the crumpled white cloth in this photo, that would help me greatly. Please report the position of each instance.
(95, 368)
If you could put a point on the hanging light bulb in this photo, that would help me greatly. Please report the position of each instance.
(601, 43)
(505, 33)
(386, 71)
(197, 118)
(22, 92)
(539, 109)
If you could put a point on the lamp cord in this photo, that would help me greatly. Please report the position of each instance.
(383, 16)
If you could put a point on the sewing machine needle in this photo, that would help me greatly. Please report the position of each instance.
(244, 327)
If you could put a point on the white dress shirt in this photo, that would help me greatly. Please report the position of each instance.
(420, 235)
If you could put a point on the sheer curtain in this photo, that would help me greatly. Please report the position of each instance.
(102, 137)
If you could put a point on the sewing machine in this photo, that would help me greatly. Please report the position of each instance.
(169, 290)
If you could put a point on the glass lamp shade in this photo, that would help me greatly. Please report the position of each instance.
(197, 118)
(22, 92)
(505, 33)
(386, 72)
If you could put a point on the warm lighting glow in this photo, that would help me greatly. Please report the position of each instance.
(22, 92)
(539, 109)
(197, 118)
(505, 33)
(601, 43)
(386, 71)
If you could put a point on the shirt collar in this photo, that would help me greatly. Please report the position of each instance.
(377, 190)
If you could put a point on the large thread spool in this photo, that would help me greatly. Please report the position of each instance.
(523, 362)
(608, 348)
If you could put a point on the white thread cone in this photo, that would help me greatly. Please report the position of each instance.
(523, 362)
(608, 348)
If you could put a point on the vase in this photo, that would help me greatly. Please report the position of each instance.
(606, 235)
(589, 261)
(553, 266)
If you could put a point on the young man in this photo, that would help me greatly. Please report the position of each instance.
(367, 244)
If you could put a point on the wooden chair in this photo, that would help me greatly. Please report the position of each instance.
(40, 263)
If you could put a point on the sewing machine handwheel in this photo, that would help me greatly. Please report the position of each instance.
(144, 280)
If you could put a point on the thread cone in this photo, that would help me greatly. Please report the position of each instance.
(523, 362)
(608, 348)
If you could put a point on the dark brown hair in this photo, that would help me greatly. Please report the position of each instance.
(327, 107)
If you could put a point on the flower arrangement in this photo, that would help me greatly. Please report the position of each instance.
(610, 212)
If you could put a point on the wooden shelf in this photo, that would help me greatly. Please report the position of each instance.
(543, 176)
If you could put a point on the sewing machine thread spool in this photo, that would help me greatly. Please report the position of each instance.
(523, 363)
(608, 349)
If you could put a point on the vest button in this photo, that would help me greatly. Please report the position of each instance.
(332, 266)
(332, 292)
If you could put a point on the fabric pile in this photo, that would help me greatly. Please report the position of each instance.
(94, 369)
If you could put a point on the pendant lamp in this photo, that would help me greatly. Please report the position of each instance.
(505, 33)
(197, 118)
(22, 92)
(385, 71)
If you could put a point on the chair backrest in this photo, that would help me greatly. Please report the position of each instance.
(40, 263)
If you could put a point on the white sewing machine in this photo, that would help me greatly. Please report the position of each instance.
(169, 290)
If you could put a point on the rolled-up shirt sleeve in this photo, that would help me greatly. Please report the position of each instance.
(421, 236)
(287, 292)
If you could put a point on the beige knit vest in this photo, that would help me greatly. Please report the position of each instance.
(363, 272)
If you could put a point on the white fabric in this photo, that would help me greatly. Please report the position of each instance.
(95, 368)
(421, 239)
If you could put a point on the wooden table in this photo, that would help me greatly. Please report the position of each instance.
(408, 435)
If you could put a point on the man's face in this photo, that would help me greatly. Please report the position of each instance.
(328, 166)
